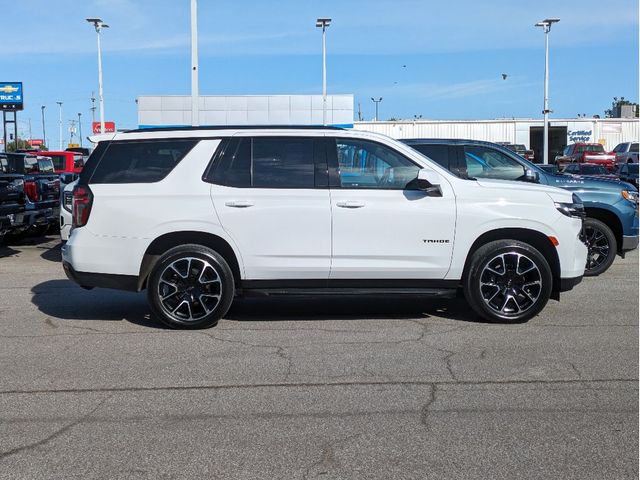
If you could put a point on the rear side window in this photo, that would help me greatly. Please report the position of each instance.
(140, 161)
(269, 162)
(437, 153)
(634, 147)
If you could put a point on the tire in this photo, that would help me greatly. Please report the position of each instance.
(507, 281)
(601, 245)
(190, 287)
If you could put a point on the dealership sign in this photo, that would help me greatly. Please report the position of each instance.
(11, 96)
(109, 127)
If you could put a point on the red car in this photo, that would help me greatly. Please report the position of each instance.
(63, 162)
(586, 153)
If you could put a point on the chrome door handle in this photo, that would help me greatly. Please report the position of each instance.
(239, 203)
(350, 204)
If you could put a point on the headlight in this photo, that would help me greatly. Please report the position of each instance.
(629, 195)
(574, 209)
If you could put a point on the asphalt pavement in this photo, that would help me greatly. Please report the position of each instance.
(92, 387)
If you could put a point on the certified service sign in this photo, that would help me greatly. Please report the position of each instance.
(11, 96)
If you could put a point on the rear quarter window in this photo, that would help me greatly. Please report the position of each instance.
(138, 161)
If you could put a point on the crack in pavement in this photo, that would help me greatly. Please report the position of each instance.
(327, 457)
(424, 411)
(55, 434)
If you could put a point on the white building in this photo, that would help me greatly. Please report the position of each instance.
(175, 110)
(608, 131)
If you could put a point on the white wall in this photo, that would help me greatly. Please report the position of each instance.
(246, 110)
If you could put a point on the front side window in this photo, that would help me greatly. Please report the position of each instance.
(269, 162)
(140, 161)
(364, 164)
(437, 153)
(485, 162)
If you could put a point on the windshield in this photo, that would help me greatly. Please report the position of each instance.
(593, 170)
(45, 165)
(589, 148)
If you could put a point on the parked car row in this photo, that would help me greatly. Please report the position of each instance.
(29, 194)
(595, 153)
(198, 215)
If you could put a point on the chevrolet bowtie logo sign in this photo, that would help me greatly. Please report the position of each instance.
(9, 89)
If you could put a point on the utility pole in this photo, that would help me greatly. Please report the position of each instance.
(60, 123)
(99, 25)
(93, 107)
(546, 25)
(80, 128)
(195, 111)
(44, 134)
(359, 112)
(72, 130)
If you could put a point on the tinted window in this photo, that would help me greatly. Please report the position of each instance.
(283, 163)
(485, 162)
(634, 147)
(268, 162)
(78, 161)
(624, 170)
(233, 168)
(45, 165)
(571, 168)
(365, 164)
(58, 161)
(140, 161)
(437, 153)
(589, 148)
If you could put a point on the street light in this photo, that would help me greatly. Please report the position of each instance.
(546, 26)
(195, 112)
(99, 25)
(44, 134)
(60, 122)
(376, 102)
(324, 23)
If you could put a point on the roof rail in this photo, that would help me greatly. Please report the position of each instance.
(233, 127)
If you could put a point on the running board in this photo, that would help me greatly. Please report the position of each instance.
(423, 292)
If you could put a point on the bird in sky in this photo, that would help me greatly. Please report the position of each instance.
(504, 76)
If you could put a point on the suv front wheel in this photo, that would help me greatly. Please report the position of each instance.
(191, 286)
(507, 281)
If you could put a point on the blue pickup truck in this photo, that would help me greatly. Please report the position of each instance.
(611, 226)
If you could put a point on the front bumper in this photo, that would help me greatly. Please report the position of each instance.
(629, 242)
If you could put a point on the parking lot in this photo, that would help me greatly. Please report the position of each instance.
(92, 387)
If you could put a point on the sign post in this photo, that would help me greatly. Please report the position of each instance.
(11, 100)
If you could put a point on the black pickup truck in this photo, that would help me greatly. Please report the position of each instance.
(41, 191)
(12, 202)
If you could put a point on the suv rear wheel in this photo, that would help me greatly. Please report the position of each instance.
(191, 286)
(507, 281)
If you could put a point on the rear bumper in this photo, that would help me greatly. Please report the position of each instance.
(102, 280)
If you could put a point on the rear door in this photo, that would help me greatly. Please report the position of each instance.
(271, 195)
(382, 229)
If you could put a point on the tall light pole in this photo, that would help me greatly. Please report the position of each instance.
(60, 123)
(546, 26)
(99, 25)
(195, 108)
(80, 128)
(324, 23)
(44, 133)
(376, 102)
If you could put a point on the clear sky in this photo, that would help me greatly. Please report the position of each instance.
(438, 59)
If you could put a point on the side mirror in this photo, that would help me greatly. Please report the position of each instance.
(427, 181)
(532, 176)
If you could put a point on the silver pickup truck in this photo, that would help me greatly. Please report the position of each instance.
(626, 152)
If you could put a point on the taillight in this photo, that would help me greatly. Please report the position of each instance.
(82, 200)
(31, 190)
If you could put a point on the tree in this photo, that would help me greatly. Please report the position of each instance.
(614, 111)
(25, 145)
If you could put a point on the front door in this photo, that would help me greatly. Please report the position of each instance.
(382, 229)
(268, 193)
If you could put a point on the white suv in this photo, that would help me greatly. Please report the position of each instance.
(198, 215)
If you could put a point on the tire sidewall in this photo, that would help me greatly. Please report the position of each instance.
(479, 260)
(601, 226)
(222, 269)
